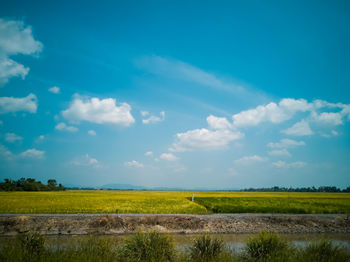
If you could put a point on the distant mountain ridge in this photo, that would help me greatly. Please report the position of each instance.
(133, 187)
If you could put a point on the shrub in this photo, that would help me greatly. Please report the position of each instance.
(206, 248)
(32, 243)
(265, 246)
(148, 247)
(323, 251)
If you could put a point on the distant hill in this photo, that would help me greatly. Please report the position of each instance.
(122, 187)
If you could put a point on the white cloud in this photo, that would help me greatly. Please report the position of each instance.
(5, 153)
(33, 154)
(180, 169)
(218, 122)
(63, 127)
(280, 152)
(13, 104)
(40, 139)
(104, 111)
(92, 132)
(133, 163)
(86, 160)
(286, 143)
(144, 113)
(149, 153)
(15, 38)
(346, 111)
(331, 134)
(168, 156)
(179, 70)
(154, 119)
(283, 164)
(326, 118)
(12, 137)
(334, 133)
(272, 112)
(10, 68)
(301, 128)
(204, 139)
(250, 159)
(55, 90)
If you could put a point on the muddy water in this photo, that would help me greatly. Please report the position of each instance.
(234, 242)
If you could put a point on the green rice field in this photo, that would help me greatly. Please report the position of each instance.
(70, 202)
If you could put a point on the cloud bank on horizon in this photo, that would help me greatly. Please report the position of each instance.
(171, 123)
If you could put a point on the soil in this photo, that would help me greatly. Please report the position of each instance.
(81, 224)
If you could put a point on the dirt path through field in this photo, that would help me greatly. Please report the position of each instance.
(80, 224)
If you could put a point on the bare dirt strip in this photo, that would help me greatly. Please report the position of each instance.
(81, 224)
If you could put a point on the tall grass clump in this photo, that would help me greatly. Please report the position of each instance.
(206, 248)
(323, 251)
(94, 249)
(29, 246)
(266, 247)
(148, 247)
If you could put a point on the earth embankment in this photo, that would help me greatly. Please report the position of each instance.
(80, 224)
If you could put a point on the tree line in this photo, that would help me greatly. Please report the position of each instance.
(329, 189)
(30, 184)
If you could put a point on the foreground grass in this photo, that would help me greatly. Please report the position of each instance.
(158, 247)
(172, 202)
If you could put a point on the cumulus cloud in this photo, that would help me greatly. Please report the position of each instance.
(15, 38)
(250, 159)
(218, 136)
(63, 127)
(153, 119)
(10, 68)
(280, 152)
(33, 154)
(301, 128)
(327, 118)
(218, 122)
(204, 139)
(133, 163)
(99, 111)
(287, 108)
(149, 153)
(55, 90)
(168, 157)
(92, 132)
(272, 112)
(86, 161)
(12, 137)
(283, 164)
(286, 143)
(5, 153)
(14, 104)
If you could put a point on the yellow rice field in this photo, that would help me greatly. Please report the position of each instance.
(172, 202)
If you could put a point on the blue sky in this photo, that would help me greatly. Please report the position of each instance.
(215, 94)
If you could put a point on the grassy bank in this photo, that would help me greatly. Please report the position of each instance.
(154, 246)
(172, 202)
